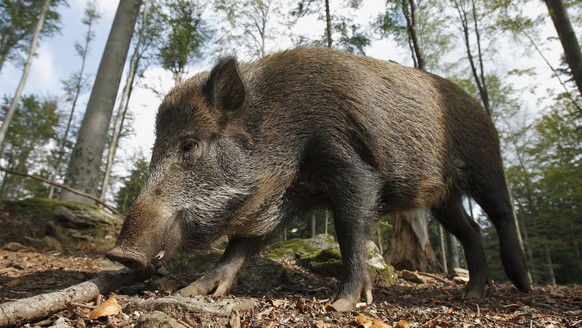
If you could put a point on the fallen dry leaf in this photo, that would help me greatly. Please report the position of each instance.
(109, 307)
(278, 303)
(368, 322)
(403, 324)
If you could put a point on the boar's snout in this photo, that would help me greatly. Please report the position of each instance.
(128, 258)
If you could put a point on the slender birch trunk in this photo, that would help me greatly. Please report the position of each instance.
(22, 83)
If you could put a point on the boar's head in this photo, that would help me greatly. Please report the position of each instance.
(200, 172)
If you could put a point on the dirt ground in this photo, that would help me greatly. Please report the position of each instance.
(300, 302)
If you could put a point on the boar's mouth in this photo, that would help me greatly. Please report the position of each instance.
(136, 251)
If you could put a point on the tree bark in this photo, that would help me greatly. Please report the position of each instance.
(567, 38)
(328, 24)
(313, 224)
(409, 11)
(36, 307)
(549, 264)
(444, 252)
(123, 105)
(84, 168)
(20, 87)
(453, 255)
(412, 248)
(78, 87)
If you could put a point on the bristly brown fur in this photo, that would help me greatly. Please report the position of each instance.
(245, 147)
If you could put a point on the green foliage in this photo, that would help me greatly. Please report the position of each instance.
(546, 181)
(30, 133)
(253, 27)
(132, 184)
(434, 40)
(18, 20)
(184, 33)
(346, 33)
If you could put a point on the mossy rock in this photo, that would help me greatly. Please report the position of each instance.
(298, 248)
(260, 273)
(322, 255)
(58, 225)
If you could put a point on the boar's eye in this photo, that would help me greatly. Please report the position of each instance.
(189, 147)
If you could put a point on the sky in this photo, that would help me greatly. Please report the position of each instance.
(56, 60)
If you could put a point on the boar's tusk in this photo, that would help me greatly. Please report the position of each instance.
(160, 255)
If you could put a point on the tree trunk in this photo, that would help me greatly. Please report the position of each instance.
(412, 249)
(313, 223)
(444, 252)
(567, 38)
(18, 93)
(78, 87)
(84, 168)
(28, 309)
(409, 11)
(549, 264)
(453, 254)
(123, 105)
(328, 24)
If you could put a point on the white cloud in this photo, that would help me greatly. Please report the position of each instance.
(43, 76)
(106, 8)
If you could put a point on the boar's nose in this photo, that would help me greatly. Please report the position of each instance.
(130, 259)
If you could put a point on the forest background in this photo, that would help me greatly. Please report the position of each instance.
(505, 53)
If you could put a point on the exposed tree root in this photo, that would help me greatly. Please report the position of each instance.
(39, 306)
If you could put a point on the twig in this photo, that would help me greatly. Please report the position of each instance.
(56, 184)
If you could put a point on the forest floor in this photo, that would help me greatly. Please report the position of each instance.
(300, 302)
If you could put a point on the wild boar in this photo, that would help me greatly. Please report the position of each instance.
(244, 148)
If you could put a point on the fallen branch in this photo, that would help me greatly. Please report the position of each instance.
(40, 306)
(434, 277)
(62, 186)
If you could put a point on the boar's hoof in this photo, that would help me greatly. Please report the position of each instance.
(475, 289)
(128, 258)
(194, 289)
(343, 305)
(205, 285)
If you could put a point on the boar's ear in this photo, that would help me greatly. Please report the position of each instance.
(224, 89)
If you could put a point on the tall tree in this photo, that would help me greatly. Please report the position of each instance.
(20, 87)
(84, 168)
(74, 86)
(123, 105)
(185, 33)
(469, 23)
(340, 28)
(18, 19)
(568, 39)
(253, 25)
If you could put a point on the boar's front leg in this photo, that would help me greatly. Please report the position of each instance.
(354, 195)
(223, 276)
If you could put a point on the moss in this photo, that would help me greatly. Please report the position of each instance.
(290, 249)
(68, 225)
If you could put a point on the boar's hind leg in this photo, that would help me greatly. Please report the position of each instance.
(353, 195)
(222, 277)
(453, 217)
(495, 201)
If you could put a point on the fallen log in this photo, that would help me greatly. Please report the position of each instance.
(40, 306)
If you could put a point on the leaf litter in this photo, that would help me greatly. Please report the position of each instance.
(301, 302)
